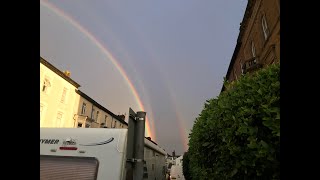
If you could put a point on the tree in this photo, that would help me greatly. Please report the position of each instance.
(185, 166)
(237, 134)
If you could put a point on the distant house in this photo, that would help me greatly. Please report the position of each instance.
(258, 43)
(91, 114)
(58, 99)
(179, 160)
(171, 159)
(62, 104)
(154, 158)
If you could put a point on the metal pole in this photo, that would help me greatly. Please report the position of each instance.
(139, 145)
(130, 144)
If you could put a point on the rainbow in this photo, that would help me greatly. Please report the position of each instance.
(114, 61)
(182, 130)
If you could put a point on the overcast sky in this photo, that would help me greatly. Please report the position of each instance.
(174, 52)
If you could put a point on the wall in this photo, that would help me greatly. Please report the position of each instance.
(51, 103)
(267, 50)
(110, 121)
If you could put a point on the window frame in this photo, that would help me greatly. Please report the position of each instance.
(253, 49)
(265, 28)
(97, 115)
(74, 158)
(83, 108)
(105, 119)
(64, 95)
(45, 85)
(92, 112)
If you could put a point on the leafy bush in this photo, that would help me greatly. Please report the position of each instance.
(237, 135)
(185, 166)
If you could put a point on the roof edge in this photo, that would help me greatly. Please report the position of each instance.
(57, 71)
(99, 106)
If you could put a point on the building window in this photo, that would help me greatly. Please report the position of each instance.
(153, 154)
(253, 49)
(63, 97)
(145, 170)
(115, 123)
(87, 125)
(152, 167)
(79, 125)
(105, 119)
(83, 110)
(59, 119)
(97, 115)
(68, 167)
(265, 27)
(46, 85)
(92, 113)
(242, 68)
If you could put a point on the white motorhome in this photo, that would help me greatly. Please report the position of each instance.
(93, 154)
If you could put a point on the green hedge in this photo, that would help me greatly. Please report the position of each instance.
(237, 135)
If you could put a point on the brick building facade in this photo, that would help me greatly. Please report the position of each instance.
(258, 43)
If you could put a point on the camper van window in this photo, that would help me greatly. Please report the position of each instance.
(57, 168)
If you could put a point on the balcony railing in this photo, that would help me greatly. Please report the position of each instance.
(251, 65)
(86, 121)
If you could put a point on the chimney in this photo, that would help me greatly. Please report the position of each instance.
(123, 117)
(67, 73)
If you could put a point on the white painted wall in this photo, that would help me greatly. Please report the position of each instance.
(54, 111)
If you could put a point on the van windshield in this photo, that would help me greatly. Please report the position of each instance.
(57, 168)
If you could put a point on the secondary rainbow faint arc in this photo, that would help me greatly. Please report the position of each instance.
(181, 124)
(106, 52)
